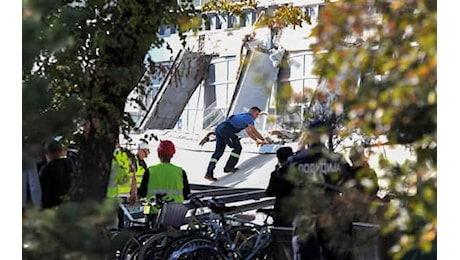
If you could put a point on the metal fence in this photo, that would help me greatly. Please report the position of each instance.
(366, 241)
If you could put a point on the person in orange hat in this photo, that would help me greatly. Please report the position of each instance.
(165, 177)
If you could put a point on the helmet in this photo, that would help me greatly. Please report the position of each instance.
(166, 147)
(142, 145)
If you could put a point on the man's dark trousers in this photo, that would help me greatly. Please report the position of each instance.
(225, 135)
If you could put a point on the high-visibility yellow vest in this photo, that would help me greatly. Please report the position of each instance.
(119, 173)
(139, 173)
(166, 178)
(125, 188)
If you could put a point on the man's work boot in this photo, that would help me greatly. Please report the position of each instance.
(210, 178)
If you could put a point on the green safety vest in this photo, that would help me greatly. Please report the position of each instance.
(125, 187)
(119, 173)
(166, 178)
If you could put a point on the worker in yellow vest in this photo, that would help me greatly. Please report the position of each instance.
(125, 187)
(143, 151)
(165, 177)
(122, 173)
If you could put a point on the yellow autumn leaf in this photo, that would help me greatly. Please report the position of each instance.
(429, 235)
(432, 98)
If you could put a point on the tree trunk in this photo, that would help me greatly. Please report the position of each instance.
(93, 167)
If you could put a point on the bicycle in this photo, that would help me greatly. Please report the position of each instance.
(154, 225)
(222, 242)
(154, 247)
(133, 225)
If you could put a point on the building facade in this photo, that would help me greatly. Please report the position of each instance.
(222, 37)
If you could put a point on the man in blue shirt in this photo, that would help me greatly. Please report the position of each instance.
(226, 135)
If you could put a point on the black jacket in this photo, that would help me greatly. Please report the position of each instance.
(317, 165)
(280, 188)
(55, 178)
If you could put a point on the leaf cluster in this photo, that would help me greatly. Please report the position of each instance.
(72, 231)
(91, 53)
(380, 59)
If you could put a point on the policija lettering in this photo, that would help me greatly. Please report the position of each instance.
(323, 167)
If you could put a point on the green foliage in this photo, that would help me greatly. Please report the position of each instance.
(288, 15)
(93, 52)
(228, 7)
(73, 231)
(283, 16)
(81, 59)
(393, 52)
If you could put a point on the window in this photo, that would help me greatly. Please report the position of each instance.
(207, 22)
(298, 74)
(249, 18)
(214, 22)
(230, 21)
(173, 29)
(219, 88)
(196, 3)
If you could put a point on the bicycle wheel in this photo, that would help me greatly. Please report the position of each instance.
(131, 249)
(196, 248)
(268, 253)
(243, 238)
(116, 244)
(183, 242)
(153, 248)
(118, 241)
(199, 253)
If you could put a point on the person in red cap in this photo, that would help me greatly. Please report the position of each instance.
(165, 177)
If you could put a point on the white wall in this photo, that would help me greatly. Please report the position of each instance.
(227, 42)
